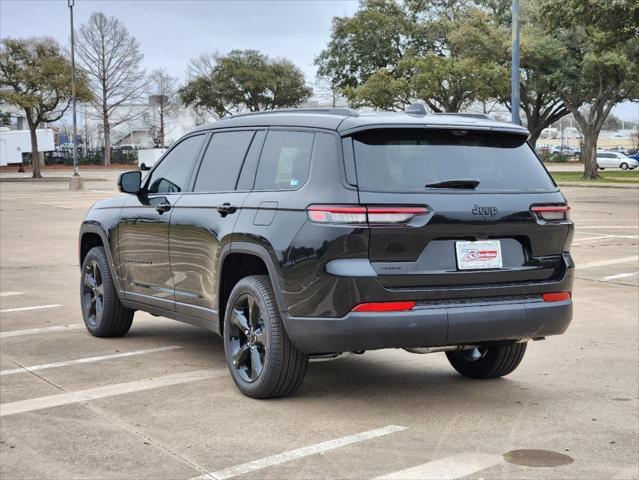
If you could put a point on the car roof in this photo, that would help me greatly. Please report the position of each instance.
(346, 121)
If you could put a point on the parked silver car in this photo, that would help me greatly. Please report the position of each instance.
(608, 159)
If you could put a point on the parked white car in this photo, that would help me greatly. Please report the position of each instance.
(607, 159)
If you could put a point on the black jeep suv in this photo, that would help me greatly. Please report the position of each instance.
(306, 233)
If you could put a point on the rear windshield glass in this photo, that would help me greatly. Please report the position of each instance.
(409, 160)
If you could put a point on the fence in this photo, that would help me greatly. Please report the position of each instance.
(126, 156)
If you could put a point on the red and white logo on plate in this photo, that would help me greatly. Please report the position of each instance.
(483, 254)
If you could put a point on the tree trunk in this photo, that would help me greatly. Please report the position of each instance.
(589, 153)
(532, 140)
(35, 154)
(107, 144)
(162, 124)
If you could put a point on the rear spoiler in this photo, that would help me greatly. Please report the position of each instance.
(502, 128)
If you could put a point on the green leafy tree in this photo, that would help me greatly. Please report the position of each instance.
(599, 65)
(376, 37)
(35, 75)
(486, 36)
(390, 52)
(612, 123)
(248, 79)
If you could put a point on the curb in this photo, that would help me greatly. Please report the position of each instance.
(632, 186)
(47, 179)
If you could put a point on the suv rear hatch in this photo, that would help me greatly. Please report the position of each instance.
(492, 213)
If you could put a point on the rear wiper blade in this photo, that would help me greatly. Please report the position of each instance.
(461, 183)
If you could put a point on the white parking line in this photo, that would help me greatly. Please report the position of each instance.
(33, 331)
(618, 276)
(449, 468)
(11, 371)
(24, 309)
(299, 453)
(22, 406)
(612, 261)
(607, 235)
(579, 241)
(10, 294)
(604, 227)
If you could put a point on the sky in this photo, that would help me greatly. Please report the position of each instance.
(171, 32)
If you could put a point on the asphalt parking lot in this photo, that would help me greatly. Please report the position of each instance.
(159, 404)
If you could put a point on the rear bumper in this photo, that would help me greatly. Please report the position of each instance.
(431, 325)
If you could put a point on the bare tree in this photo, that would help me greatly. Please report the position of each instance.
(326, 94)
(163, 90)
(202, 66)
(112, 59)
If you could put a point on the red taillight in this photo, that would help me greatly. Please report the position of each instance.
(556, 296)
(336, 214)
(359, 214)
(393, 214)
(551, 213)
(384, 307)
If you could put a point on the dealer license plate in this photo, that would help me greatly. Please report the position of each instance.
(480, 255)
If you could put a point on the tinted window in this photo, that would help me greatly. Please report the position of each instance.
(605, 155)
(408, 160)
(172, 173)
(247, 176)
(285, 160)
(222, 161)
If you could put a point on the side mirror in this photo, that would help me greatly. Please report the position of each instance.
(129, 182)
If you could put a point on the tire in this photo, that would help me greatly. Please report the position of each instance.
(602, 168)
(623, 166)
(494, 361)
(259, 335)
(143, 167)
(111, 319)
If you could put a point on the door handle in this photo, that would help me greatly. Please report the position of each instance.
(226, 209)
(163, 207)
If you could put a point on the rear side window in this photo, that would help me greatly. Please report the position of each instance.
(285, 160)
(171, 175)
(222, 161)
(408, 160)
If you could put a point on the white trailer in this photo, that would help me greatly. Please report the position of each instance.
(13, 143)
(147, 157)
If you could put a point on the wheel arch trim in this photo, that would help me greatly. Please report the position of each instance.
(258, 251)
(94, 228)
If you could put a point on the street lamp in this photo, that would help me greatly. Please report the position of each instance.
(76, 183)
(514, 87)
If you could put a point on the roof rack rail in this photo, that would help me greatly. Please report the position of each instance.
(346, 112)
(471, 115)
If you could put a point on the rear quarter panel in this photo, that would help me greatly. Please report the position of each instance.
(298, 249)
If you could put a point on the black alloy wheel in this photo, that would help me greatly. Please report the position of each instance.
(92, 293)
(260, 356)
(248, 341)
(104, 315)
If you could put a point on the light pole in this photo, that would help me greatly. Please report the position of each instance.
(514, 101)
(76, 182)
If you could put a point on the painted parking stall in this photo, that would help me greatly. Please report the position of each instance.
(161, 403)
